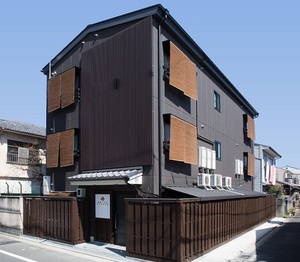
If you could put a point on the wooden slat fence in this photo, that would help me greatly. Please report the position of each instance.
(64, 219)
(183, 229)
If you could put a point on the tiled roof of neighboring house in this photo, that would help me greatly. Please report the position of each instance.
(293, 170)
(213, 194)
(22, 127)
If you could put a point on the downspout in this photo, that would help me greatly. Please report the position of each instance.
(7, 187)
(21, 188)
(159, 103)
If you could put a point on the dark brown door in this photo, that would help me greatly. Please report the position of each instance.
(120, 217)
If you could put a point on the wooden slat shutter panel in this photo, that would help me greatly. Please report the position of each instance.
(52, 150)
(177, 139)
(191, 80)
(177, 68)
(251, 163)
(67, 87)
(251, 128)
(53, 94)
(183, 141)
(66, 147)
(182, 72)
(191, 149)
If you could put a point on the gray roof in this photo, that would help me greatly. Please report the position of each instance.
(107, 174)
(22, 127)
(214, 194)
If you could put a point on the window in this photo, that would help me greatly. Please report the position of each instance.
(22, 153)
(218, 150)
(217, 101)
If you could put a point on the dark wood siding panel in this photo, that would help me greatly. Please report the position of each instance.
(52, 150)
(116, 95)
(67, 87)
(53, 94)
(182, 72)
(66, 148)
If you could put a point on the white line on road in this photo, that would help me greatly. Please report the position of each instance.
(16, 256)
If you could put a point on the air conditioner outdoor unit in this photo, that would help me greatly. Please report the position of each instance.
(203, 180)
(238, 167)
(202, 157)
(226, 182)
(208, 158)
(81, 192)
(216, 181)
(213, 159)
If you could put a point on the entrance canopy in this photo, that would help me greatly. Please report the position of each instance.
(121, 176)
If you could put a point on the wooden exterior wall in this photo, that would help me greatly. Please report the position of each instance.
(181, 230)
(116, 107)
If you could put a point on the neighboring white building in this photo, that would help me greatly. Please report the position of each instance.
(265, 167)
(22, 157)
(290, 175)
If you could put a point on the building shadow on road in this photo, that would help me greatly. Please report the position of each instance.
(281, 243)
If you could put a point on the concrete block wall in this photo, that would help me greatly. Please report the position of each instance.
(11, 214)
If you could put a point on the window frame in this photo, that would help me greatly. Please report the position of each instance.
(217, 101)
(13, 157)
(218, 149)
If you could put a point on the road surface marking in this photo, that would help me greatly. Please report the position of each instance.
(16, 256)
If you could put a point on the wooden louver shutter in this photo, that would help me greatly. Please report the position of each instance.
(67, 87)
(52, 150)
(251, 163)
(251, 128)
(182, 72)
(191, 149)
(183, 141)
(177, 139)
(66, 148)
(53, 94)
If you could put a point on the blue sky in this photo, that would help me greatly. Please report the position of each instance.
(256, 44)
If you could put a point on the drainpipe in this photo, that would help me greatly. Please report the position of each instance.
(159, 77)
(7, 187)
(21, 189)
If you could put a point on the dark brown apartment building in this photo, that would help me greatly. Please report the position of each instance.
(135, 108)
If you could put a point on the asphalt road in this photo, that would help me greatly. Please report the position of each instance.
(12, 250)
(283, 244)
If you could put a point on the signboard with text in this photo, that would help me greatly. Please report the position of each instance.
(102, 202)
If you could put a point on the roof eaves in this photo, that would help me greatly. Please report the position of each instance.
(156, 10)
(193, 47)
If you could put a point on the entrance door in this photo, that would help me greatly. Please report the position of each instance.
(120, 217)
(104, 230)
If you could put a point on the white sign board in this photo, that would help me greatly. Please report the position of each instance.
(102, 202)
